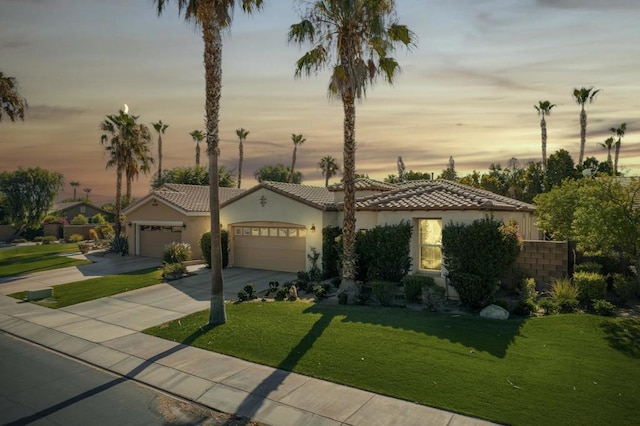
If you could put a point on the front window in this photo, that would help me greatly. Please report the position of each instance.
(430, 244)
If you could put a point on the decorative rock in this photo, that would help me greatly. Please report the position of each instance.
(494, 312)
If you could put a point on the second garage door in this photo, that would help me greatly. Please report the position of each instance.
(153, 238)
(269, 247)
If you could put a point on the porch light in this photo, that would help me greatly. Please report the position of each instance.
(313, 228)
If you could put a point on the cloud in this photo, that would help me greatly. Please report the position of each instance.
(15, 44)
(45, 112)
(590, 4)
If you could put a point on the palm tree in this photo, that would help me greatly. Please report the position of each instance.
(160, 127)
(329, 167)
(197, 137)
(544, 108)
(354, 39)
(11, 101)
(242, 135)
(87, 191)
(139, 158)
(608, 144)
(213, 16)
(74, 185)
(619, 132)
(297, 140)
(582, 96)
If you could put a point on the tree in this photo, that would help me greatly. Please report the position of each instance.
(277, 173)
(242, 135)
(196, 175)
(213, 16)
(28, 195)
(450, 172)
(355, 39)
(160, 127)
(560, 166)
(544, 108)
(87, 191)
(11, 101)
(619, 132)
(582, 96)
(329, 167)
(138, 158)
(197, 137)
(608, 144)
(74, 185)
(297, 141)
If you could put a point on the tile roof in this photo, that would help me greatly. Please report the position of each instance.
(439, 195)
(189, 198)
(315, 196)
(364, 184)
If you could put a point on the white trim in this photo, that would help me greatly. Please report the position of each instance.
(137, 223)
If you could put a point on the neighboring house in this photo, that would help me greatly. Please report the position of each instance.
(72, 209)
(275, 225)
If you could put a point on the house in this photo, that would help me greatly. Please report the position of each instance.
(71, 209)
(276, 225)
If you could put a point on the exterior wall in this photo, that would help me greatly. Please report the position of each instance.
(544, 260)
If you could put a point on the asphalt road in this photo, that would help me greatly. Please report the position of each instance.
(42, 387)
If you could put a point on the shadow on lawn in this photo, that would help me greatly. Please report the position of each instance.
(624, 335)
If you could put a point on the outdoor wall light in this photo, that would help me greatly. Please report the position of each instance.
(129, 224)
(184, 225)
(313, 228)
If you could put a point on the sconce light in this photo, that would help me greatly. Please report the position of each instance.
(184, 225)
(313, 228)
(129, 224)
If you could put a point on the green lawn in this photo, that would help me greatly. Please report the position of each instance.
(564, 369)
(36, 258)
(95, 288)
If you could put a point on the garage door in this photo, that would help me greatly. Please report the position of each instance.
(153, 238)
(271, 248)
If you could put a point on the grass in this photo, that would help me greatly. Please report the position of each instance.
(36, 258)
(563, 369)
(95, 288)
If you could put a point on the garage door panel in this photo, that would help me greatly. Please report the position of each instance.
(271, 253)
(153, 241)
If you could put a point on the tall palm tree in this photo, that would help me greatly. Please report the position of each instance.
(11, 101)
(329, 167)
(619, 132)
(213, 16)
(74, 185)
(87, 191)
(353, 38)
(608, 144)
(242, 135)
(139, 158)
(160, 127)
(297, 141)
(197, 137)
(582, 96)
(544, 108)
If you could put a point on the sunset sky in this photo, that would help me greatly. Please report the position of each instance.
(467, 89)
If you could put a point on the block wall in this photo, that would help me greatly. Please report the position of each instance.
(544, 260)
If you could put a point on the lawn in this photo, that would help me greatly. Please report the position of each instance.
(563, 369)
(25, 259)
(95, 288)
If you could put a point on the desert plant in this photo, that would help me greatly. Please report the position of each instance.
(176, 252)
(565, 295)
(75, 238)
(80, 220)
(384, 292)
(98, 219)
(314, 271)
(251, 291)
(118, 244)
(591, 285)
(625, 287)
(413, 286)
(604, 308)
(433, 297)
(243, 296)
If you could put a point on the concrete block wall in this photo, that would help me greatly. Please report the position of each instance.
(544, 260)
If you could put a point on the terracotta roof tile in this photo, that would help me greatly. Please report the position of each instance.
(192, 198)
(365, 184)
(315, 196)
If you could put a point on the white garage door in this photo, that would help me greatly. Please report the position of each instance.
(153, 238)
(269, 247)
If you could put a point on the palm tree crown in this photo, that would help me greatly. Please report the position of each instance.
(582, 96)
(11, 101)
(329, 167)
(75, 186)
(160, 127)
(297, 141)
(242, 135)
(608, 144)
(544, 108)
(619, 132)
(197, 137)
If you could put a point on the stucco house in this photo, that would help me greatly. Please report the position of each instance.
(275, 225)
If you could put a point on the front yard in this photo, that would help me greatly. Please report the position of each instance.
(25, 259)
(562, 369)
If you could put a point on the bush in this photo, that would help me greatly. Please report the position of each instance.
(282, 293)
(319, 291)
(343, 298)
(591, 285)
(93, 235)
(49, 239)
(527, 289)
(564, 295)
(80, 220)
(331, 251)
(384, 253)
(38, 239)
(273, 287)
(176, 252)
(103, 231)
(75, 238)
(384, 292)
(593, 267)
(473, 290)
(98, 219)
(173, 269)
(548, 306)
(604, 308)
(433, 297)
(413, 286)
(625, 287)
(118, 244)
(243, 296)
(500, 302)
(525, 307)
(205, 246)
(85, 247)
(250, 290)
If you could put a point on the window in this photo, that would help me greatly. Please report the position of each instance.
(430, 244)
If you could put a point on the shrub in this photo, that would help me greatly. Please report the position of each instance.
(80, 220)
(98, 219)
(251, 291)
(205, 246)
(433, 297)
(173, 269)
(176, 252)
(49, 239)
(330, 251)
(84, 247)
(548, 306)
(118, 244)
(473, 290)
(525, 307)
(384, 252)
(413, 286)
(38, 239)
(384, 291)
(564, 295)
(273, 287)
(243, 296)
(527, 289)
(93, 235)
(319, 291)
(314, 271)
(75, 238)
(282, 293)
(19, 240)
(591, 285)
(343, 298)
(604, 308)
(593, 267)
(625, 287)
(103, 231)
(500, 302)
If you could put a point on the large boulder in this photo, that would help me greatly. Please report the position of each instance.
(494, 312)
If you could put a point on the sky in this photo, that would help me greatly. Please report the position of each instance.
(466, 89)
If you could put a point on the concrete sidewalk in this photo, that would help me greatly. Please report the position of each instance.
(106, 333)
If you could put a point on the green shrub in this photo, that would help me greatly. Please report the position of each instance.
(591, 285)
(173, 269)
(548, 306)
(594, 267)
(104, 231)
(75, 238)
(80, 220)
(604, 308)
(243, 296)
(343, 298)
(564, 295)
(527, 289)
(273, 287)
(433, 297)
(282, 293)
(525, 307)
(625, 287)
(85, 247)
(176, 252)
(473, 290)
(319, 291)
(49, 239)
(38, 239)
(118, 244)
(384, 292)
(205, 246)
(251, 291)
(331, 251)
(413, 286)
(384, 253)
(98, 219)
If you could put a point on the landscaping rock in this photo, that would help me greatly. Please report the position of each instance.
(494, 312)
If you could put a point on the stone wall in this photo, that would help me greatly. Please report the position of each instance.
(544, 260)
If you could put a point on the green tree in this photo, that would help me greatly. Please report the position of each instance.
(28, 195)
(582, 96)
(544, 108)
(560, 166)
(196, 175)
(355, 39)
(213, 17)
(450, 172)
(277, 173)
(297, 141)
(160, 127)
(619, 132)
(11, 101)
(74, 185)
(608, 144)
(197, 137)
(242, 135)
(329, 167)
(138, 157)
(555, 209)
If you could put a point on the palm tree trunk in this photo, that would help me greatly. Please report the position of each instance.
(293, 163)
(118, 206)
(198, 152)
(543, 129)
(213, 81)
(349, 222)
(159, 159)
(583, 133)
(241, 149)
(326, 174)
(615, 158)
(127, 197)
